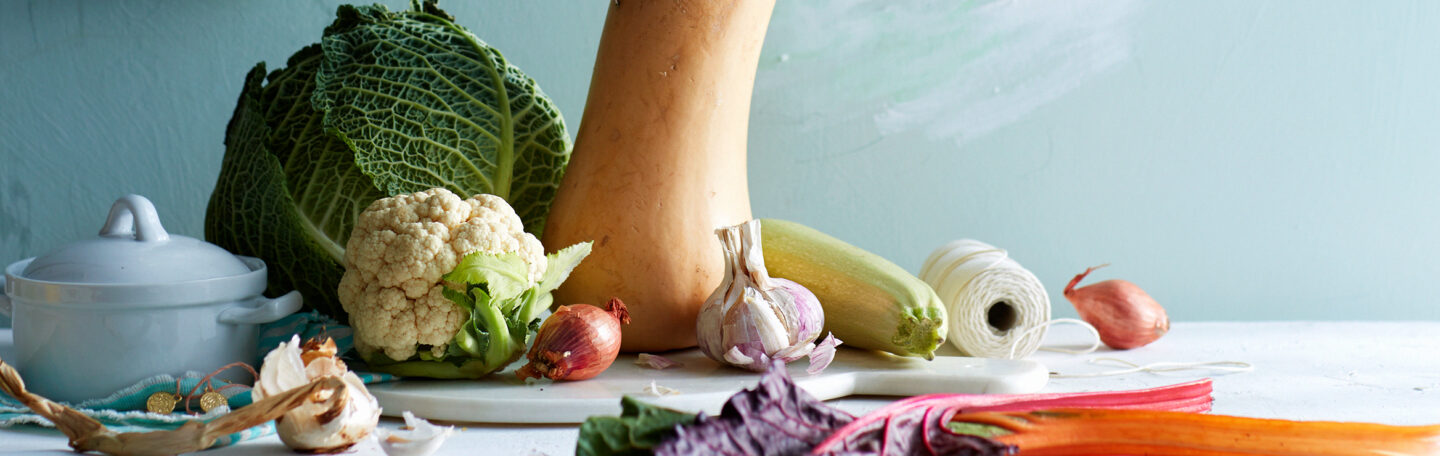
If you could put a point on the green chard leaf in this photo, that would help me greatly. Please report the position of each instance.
(638, 429)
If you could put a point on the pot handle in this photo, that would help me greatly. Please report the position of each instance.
(268, 311)
(4, 299)
(133, 215)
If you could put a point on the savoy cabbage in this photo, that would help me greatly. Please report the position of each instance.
(386, 103)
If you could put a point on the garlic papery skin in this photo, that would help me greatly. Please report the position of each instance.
(327, 423)
(752, 318)
(282, 370)
(421, 439)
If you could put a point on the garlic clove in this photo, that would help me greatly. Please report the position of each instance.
(823, 354)
(421, 439)
(738, 358)
(794, 353)
(772, 333)
(282, 370)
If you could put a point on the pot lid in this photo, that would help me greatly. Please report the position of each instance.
(133, 248)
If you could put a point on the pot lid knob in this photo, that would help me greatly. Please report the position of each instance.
(133, 216)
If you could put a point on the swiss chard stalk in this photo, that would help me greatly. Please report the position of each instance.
(908, 425)
(1162, 433)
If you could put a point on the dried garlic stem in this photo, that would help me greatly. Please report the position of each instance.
(87, 434)
(75, 425)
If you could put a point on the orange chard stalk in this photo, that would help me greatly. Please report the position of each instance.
(899, 417)
(1080, 432)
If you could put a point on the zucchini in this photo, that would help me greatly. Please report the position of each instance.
(869, 301)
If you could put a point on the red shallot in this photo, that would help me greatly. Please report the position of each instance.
(1125, 316)
(576, 342)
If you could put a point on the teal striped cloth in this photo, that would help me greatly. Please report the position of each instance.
(124, 411)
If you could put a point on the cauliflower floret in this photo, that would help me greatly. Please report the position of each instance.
(400, 248)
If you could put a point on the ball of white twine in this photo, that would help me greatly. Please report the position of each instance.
(997, 308)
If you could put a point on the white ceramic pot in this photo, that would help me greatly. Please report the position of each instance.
(99, 315)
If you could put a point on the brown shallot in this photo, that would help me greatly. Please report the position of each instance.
(576, 342)
(1125, 316)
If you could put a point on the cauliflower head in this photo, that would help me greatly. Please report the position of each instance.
(397, 257)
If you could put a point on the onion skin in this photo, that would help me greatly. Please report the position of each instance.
(1125, 316)
(576, 342)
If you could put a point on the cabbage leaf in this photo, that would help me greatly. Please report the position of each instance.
(387, 103)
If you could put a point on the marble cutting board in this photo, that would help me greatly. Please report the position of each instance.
(702, 385)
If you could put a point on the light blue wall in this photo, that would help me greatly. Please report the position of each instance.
(1238, 159)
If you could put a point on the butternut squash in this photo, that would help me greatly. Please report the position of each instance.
(659, 161)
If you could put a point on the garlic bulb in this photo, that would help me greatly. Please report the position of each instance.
(752, 317)
(421, 439)
(325, 424)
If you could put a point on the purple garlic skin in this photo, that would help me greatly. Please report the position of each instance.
(807, 307)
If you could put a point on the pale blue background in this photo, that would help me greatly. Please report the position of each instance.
(1238, 159)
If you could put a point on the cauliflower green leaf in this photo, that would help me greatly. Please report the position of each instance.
(387, 103)
(560, 264)
(503, 276)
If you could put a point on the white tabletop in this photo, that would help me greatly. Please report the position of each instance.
(1386, 372)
